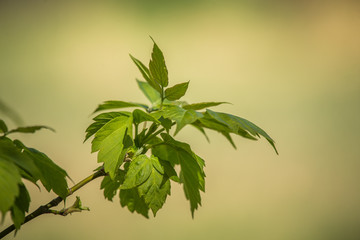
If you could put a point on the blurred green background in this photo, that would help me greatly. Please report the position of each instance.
(292, 67)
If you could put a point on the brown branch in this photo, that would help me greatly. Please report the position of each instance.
(46, 208)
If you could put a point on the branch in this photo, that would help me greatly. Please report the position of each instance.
(46, 208)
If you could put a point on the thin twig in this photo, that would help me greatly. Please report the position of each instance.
(46, 208)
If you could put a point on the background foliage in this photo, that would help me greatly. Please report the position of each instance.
(292, 68)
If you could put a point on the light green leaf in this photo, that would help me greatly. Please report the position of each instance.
(155, 190)
(151, 94)
(158, 70)
(139, 171)
(141, 116)
(146, 74)
(202, 105)
(30, 129)
(176, 92)
(101, 120)
(3, 127)
(131, 199)
(118, 104)
(9, 185)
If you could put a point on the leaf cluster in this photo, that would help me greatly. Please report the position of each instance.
(19, 162)
(137, 150)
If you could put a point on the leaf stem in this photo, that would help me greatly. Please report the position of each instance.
(46, 208)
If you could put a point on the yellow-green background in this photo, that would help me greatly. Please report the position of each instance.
(292, 67)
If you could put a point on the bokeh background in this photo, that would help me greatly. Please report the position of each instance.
(292, 67)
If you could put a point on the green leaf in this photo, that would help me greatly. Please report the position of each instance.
(109, 142)
(101, 120)
(238, 125)
(202, 105)
(189, 117)
(191, 174)
(158, 70)
(176, 92)
(3, 127)
(146, 74)
(150, 92)
(22, 203)
(202, 130)
(52, 176)
(139, 171)
(30, 129)
(141, 116)
(131, 199)
(111, 186)
(118, 104)
(155, 189)
(13, 152)
(9, 185)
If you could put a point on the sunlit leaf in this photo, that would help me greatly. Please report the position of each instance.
(150, 92)
(202, 105)
(146, 74)
(118, 104)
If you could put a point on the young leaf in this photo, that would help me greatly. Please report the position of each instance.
(109, 142)
(146, 74)
(199, 106)
(30, 129)
(176, 92)
(150, 92)
(101, 120)
(118, 104)
(9, 185)
(131, 199)
(141, 116)
(139, 171)
(155, 190)
(158, 70)
(3, 127)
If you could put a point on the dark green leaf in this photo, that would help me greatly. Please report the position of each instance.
(109, 142)
(149, 92)
(30, 129)
(111, 186)
(158, 70)
(3, 127)
(52, 176)
(12, 151)
(9, 185)
(146, 74)
(238, 125)
(166, 123)
(191, 174)
(139, 171)
(118, 104)
(199, 106)
(176, 92)
(189, 117)
(141, 116)
(22, 203)
(131, 199)
(202, 130)
(169, 170)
